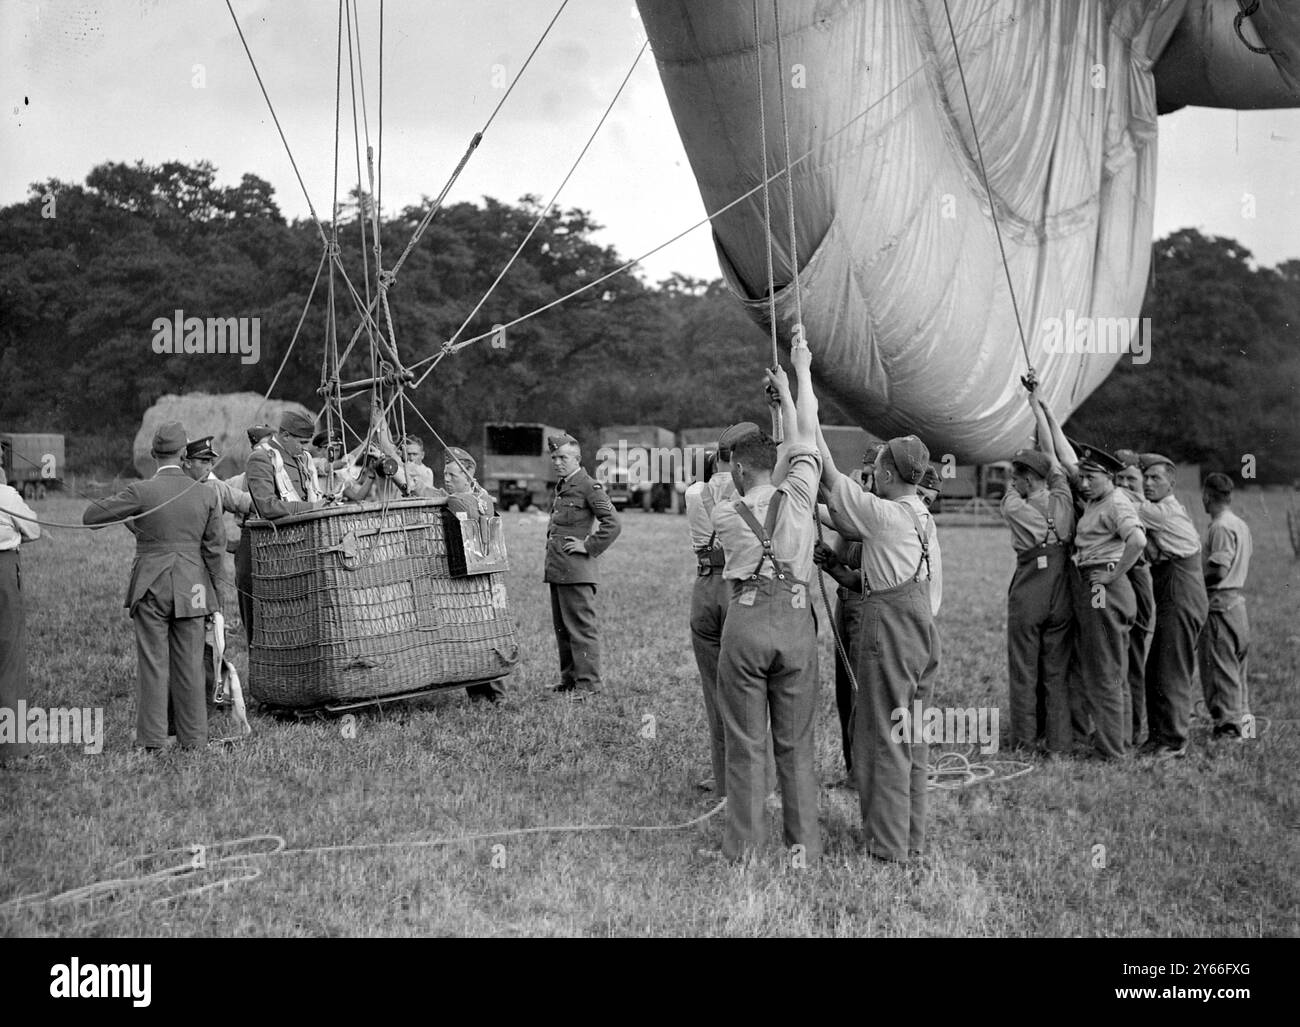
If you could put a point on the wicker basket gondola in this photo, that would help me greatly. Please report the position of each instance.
(358, 603)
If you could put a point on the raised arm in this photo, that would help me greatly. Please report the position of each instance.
(1064, 452)
(807, 407)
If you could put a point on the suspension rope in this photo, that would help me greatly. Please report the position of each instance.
(988, 189)
(303, 317)
(554, 198)
(789, 175)
(767, 207)
(319, 227)
(473, 144)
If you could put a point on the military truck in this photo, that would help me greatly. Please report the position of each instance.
(33, 463)
(638, 464)
(517, 468)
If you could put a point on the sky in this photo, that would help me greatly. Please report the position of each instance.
(129, 80)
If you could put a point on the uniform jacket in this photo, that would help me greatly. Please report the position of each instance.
(583, 511)
(178, 547)
(259, 478)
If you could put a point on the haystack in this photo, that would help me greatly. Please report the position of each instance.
(226, 417)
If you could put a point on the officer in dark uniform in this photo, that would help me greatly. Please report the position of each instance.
(583, 525)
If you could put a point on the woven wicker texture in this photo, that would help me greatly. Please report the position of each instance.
(358, 603)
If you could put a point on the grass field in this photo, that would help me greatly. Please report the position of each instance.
(1207, 846)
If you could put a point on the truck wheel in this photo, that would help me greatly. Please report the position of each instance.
(40, 491)
(29, 490)
(524, 503)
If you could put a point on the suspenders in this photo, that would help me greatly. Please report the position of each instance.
(764, 532)
(922, 537)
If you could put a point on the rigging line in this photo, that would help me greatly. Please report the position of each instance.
(356, 146)
(767, 206)
(379, 149)
(436, 358)
(319, 227)
(993, 211)
(370, 151)
(555, 196)
(306, 307)
(789, 174)
(473, 145)
(390, 354)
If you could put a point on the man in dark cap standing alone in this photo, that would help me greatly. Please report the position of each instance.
(583, 525)
(180, 541)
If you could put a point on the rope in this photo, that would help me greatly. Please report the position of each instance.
(993, 211)
(96, 502)
(767, 208)
(628, 265)
(1242, 15)
(319, 227)
(547, 209)
(789, 174)
(110, 886)
(473, 144)
(306, 306)
(953, 770)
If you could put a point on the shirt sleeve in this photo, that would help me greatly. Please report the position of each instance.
(606, 528)
(11, 502)
(800, 484)
(855, 513)
(698, 521)
(1125, 520)
(1060, 503)
(1222, 545)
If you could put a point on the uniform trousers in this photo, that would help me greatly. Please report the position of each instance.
(1104, 617)
(898, 658)
(1181, 607)
(573, 613)
(1040, 622)
(1139, 645)
(1224, 644)
(709, 600)
(13, 645)
(169, 650)
(848, 618)
(767, 674)
(244, 581)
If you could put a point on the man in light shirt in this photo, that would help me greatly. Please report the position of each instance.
(898, 648)
(1225, 639)
(767, 663)
(1174, 549)
(17, 525)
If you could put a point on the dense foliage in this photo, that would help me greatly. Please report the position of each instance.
(86, 269)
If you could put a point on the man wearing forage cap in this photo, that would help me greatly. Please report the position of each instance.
(898, 649)
(1174, 549)
(179, 544)
(583, 525)
(1039, 510)
(1226, 636)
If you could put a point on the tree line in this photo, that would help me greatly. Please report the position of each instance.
(85, 270)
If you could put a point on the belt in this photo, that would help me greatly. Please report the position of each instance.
(1108, 566)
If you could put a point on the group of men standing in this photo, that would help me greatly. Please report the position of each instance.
(177, 519)
(1112, 593)
(755, 526)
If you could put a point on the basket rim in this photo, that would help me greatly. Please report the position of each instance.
(348, 508)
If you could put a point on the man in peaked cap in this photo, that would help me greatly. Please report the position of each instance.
(1039, 510)
(1174, 549)
(711, 593)
(1129, 478)
(1225, 639)
(1108, 540)
(583, 525)
(179, 545)
(898, 650)
(197, 464)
